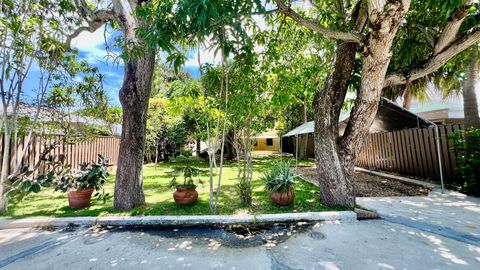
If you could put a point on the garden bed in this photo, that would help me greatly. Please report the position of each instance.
(367, 185)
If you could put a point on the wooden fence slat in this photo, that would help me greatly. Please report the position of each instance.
(445, 152)
(421, 149)
(416, 151)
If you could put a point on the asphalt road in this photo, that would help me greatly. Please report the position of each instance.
(435, 232)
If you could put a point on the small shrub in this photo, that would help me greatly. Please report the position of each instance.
(61, 177)
(279, 177)
(188, 173)
(181, 159)
(185, 152)
(467, 148)
(245, 191)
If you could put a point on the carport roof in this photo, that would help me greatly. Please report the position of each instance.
(389, 117)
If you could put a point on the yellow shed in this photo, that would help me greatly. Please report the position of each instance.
(267, 141)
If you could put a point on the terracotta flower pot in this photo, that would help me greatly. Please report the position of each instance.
(185, 195)
(282, 197)
(79, 198)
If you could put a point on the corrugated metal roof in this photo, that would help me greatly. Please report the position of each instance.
(389, 117)
(305, 128)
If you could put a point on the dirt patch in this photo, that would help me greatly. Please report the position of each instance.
(367, 185)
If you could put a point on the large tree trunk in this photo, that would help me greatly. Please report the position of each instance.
(470, 104)
(335, 156)
(335, 187)
(134, 97)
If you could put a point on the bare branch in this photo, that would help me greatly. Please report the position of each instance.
(95, 19)
(316, 27)
(123, 12)
(434, 63)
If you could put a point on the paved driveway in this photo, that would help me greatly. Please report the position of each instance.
(435, 232)
(451, 213)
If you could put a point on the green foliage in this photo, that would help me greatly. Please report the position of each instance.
(414, 44)
(467, 148)
(188, 172)
(163, 79)
(60, 177)
(185, 152)
(166, 131)
(279, 177)
(295, 62)
(245, 191)
(159, 200)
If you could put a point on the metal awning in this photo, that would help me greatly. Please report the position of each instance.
(305, 128)
(390, 117)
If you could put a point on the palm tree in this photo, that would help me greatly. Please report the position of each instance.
(470, 104)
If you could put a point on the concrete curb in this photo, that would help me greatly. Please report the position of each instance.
(340, 216)
(399, 178)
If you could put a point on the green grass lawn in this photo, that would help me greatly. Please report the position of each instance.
(159, 196)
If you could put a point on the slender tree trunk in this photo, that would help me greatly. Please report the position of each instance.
(407, 97)
(302, 149)
(470, 109)
(198, 147)
(134, 96)
(156, 153)
(470, 104)
(5, 161)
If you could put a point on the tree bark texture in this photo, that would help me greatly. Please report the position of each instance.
(335, 187)
(336, 156)
(470, 104)
(470, 109)
(134, 96)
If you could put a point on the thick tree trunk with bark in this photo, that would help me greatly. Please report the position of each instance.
(376, 23)
(336, 157)
(134, 97)
(335, 187)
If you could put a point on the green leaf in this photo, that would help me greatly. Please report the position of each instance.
(36, 188)
(26, 186)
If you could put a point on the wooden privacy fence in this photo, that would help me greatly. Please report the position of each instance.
(411, 152)
(75, 153)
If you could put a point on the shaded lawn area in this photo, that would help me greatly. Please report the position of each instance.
(159, 196)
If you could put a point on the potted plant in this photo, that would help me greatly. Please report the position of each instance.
(185, 191)
(279, 182)
(81, 183)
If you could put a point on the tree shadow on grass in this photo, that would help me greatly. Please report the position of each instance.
(159, 196)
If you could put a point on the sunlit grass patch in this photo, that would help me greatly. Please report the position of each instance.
(159, 196)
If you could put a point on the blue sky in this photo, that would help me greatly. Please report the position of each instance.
(91, 47)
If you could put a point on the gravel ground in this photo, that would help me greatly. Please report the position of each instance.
(367, 185)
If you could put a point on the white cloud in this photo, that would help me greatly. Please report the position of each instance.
(207, 55)
(92, 45)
